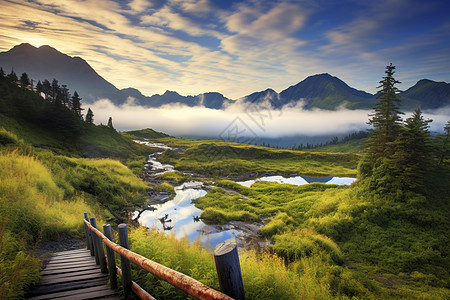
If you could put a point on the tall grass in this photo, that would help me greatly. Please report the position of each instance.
(43, 197)
(265, 275)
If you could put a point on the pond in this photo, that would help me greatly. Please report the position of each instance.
(300, 180)
(180, 217)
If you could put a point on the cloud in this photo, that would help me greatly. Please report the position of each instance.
(194, 46)
(165, 17)
(196, 121)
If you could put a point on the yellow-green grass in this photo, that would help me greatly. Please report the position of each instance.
(221, 158)
(43, 197)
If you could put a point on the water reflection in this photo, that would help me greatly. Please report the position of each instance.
(184, 222)
(300, 180)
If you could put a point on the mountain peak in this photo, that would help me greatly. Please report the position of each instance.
(171, 93)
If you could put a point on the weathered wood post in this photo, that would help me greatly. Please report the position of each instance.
(99, 253)
(94, 243)
(86, 231)
(126, 267)
(229, 270)
(111, 259)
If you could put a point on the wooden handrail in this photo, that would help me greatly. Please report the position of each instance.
(137, 289)
(177, 279)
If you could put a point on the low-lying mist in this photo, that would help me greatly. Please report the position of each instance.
(242, 120)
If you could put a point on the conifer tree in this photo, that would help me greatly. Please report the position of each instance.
(90, 116)
(39, 87)
(75, 104)
(110, 124)
(386, 124)
(444, 141)
(65, 95)
(24, 80)
(46, 89)
(2, 73)
(12, 77)
(412, 156)
(55, 91)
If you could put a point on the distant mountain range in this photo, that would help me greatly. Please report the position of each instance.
(321, 91)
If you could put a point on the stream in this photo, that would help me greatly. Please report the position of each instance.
(180, 217)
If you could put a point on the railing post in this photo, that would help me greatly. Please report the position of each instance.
(94, 241)
(99, 253)
(228, 269)
(126, 267)
(86, 231)
(111, 259)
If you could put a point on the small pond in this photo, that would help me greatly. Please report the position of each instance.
(300, 180)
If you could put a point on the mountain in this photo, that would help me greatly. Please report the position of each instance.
(46, 62)
(321, 91)
(326, 92)
(427, 94)
(268, 96)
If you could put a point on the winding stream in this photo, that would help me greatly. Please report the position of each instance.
(181, 218)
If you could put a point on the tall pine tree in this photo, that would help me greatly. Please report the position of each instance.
(386, 123)
(386, 119)
(75, 104)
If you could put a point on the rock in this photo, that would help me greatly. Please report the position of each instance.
(208, 229)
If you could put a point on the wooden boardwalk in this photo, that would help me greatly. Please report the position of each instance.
(73, 275)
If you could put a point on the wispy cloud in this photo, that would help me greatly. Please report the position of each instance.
(237, 47)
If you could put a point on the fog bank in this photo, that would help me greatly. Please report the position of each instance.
(242, 120)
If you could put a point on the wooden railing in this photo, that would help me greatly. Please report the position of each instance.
(225, 256)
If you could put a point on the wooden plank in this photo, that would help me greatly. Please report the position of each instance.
(73, 292)
(92, 295)
(59, 267)
(47, 289)
(57, 280)
(69, 270)
(70, 260)
(79, 273)
(70, 252)
(59, 257)
(71, 264)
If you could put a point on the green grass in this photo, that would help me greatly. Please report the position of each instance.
(220, 159)
(43, 196)
(147, 133)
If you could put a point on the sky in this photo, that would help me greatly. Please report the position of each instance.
(238, 47)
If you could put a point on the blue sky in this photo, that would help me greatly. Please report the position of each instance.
(238, 47)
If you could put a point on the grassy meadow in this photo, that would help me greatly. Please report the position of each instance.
(221, 159)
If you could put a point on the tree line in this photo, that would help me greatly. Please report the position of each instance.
(52, 92)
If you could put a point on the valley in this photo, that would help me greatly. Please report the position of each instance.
(383, 235)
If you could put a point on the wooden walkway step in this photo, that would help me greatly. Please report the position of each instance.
(73, 275)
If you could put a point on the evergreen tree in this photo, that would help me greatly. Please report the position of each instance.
(65, 95)
(110, 124)
(386, 121)
(12, 77)
(90, 116)
(386, 124)
(39, 87)
(2, 73)
(55, 91)
(24, 80)
(75, 104)
(444, 144)
(412, 156)
(46, 89)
